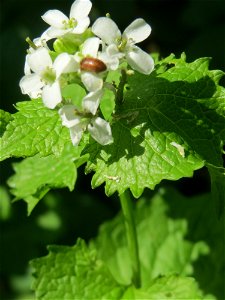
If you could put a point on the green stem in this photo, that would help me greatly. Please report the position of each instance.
(127, 208)
(31, 43)
(123, 81)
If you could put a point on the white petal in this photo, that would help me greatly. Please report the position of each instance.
(40, 42)
(68, 116)
(112, 50)
(80, 9)
(52, 33)
(76, 133)
(91, 81)
(112, 62)
(45, 37)
(91, 101)
(140, 61)
(30, 83)
(106, 29)
(55, 18)
(91, 46)
(137, 31)
(78, 57)
(111, 57)
(39, 60)
(100, 130)
(65, 63)
(36, 94)
(27, 70)
(51, 95)
(82, 25)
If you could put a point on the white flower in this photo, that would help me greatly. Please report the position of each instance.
(118, 43)
(45, 77)
(78, 122)
(77, 22)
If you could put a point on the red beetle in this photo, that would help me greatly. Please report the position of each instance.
(92, 64)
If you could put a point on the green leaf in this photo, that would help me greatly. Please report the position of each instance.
(167, 287)
(107, 104)
(170, 124)
(203, 225)
(70, 42)
(74, 273)
(35, 176)
(34, 129)
(163, 249)
(176, 235)
(95, 271)
(5, 118)
(74, 93)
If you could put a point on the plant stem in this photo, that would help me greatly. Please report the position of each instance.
(127, 208)
(123, 81)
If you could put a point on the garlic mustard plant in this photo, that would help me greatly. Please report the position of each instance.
(99, 100)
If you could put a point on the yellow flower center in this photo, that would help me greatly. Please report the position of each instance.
(71, 23)
(121, 43)
(48, 75)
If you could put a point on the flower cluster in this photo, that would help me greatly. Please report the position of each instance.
(97, 50)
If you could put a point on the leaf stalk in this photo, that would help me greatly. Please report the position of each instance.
(131, 233)
(123, 81)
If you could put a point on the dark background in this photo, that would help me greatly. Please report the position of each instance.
(193, 26)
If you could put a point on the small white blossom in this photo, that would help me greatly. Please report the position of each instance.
(78, 122)
(77, 22)
(119, 45)
(45, 77)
